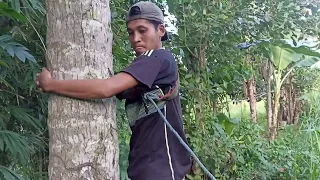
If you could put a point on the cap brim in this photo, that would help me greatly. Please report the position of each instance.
(165, 37)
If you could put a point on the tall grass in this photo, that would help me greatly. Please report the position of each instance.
(296, 151)
(310, 131)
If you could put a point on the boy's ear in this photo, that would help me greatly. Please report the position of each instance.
(161, 29)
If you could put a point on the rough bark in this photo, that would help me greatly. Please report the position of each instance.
(250, 94)
(83, 138)
(245, 90)
(253, 99)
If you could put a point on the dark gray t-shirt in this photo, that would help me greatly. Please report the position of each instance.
(155, 152)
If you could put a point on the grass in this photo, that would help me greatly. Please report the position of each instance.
(297, 147)
(242, 110)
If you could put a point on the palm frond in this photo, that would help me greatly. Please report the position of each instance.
(15, 49)
(23, 115)
(16, 145)
(28, 6)
(8, 174)
(21, 147)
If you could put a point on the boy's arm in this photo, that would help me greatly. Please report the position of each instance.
(87, 88)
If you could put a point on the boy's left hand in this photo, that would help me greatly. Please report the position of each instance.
(43, 80)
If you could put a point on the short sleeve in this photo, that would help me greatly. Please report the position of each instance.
(144, 69)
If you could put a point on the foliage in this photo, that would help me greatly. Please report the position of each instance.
(211, 67)
(283, 54)
(22, 109)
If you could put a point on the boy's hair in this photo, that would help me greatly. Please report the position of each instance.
(147, 10)
(155, 23)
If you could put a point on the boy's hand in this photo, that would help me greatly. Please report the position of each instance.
(43, 80)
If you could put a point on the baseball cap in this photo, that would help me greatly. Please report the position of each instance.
(146, 10)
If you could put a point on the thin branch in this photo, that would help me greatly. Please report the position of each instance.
(192, 54)
(43, 44)
(286, 75)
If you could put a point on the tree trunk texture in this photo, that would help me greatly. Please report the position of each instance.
(250, 93)
(269, 98)
(249, 89)
(83, 142)
(253, 99)
(245, 90)
(290, 106)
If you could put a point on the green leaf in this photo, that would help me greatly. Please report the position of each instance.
(14, 48)
(17, 145)
(6, 174)
(302, 54)
(13, 14)
(226, 123)
(37, 4)
(2, 144)
(241, 159)
(5, 37)
(181, 32)
(284, 52)
(16, 5)
(22, 115)
(3, 5)
(28, 5)
(307, 61)
(10, 50)
(4, 64)
(2, 121)
(302, 47)
(204, 11)
(170, 5)
(229, 127)
(21, 56)
(281, 57)
(6, 83)
(9, 174)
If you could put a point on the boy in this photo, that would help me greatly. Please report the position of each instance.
(155, 153)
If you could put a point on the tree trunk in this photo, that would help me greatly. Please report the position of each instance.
(269, 98)
(245, 90)
(253, 99)
(249, 91)
(83, 142)
(290, 102)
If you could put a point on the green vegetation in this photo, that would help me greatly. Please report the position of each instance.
(213, 70)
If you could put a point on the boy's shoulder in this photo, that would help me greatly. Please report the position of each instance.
(157, 53)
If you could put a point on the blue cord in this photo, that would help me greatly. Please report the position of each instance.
(148, 96)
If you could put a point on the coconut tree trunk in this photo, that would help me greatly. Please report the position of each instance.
(83, 138)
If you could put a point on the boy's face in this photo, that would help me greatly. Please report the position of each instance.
(143, 36)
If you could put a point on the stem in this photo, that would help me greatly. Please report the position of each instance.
(42, 42)
(276, 107)
(281, 82)
(269, 96)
